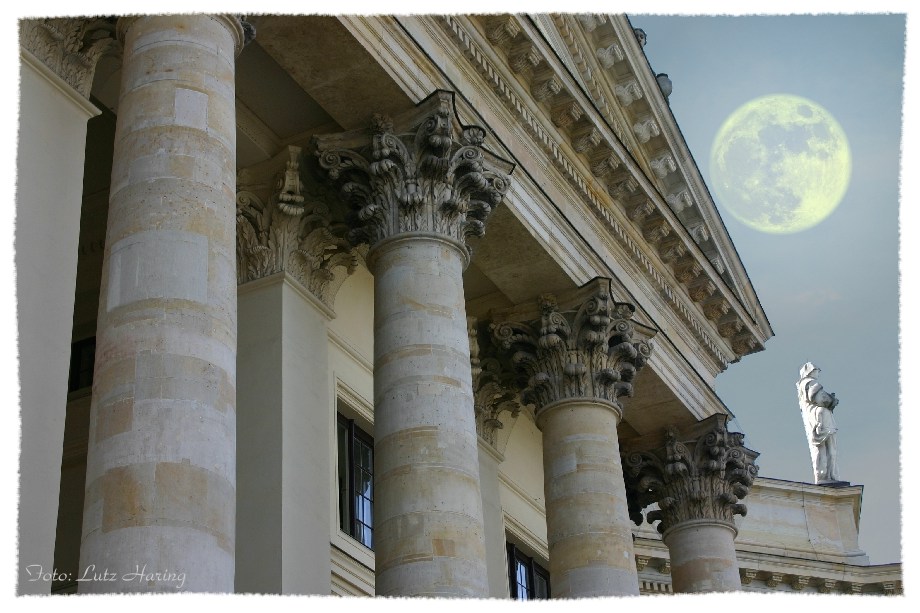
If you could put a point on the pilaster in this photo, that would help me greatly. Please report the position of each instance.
(57, 62)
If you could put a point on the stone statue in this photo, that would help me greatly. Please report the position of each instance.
(820, 426)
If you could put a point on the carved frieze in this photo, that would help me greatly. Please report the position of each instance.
(583, 346)
(421, 172)
(69, 46)
(699, 474)
(292, 230)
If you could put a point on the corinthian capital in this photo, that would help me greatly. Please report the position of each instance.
(421, 172)
(579, 345)
(282, 225)
(494, 391)
(698, 474)
(69, 46)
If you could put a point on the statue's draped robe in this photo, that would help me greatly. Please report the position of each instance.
(820, 427)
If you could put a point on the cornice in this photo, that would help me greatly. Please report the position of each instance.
(644, 209)
(700, 209)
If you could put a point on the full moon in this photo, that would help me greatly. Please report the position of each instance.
(780, 164)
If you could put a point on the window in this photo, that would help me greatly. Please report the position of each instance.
(356, 482)
(82, 356)
(527, 579)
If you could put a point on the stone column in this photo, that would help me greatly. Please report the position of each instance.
(291, 260)
(161, 469)
(696, 476)
(418, 185)
(576, 357)
(57, 62)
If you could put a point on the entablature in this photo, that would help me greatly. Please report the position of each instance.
(527, 74)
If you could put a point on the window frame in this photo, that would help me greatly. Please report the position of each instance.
(533, 570)
(348, 521)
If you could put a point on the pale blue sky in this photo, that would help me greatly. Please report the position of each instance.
(830, 292)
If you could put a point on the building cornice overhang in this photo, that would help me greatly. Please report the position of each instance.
(582, 145)
(700, 208)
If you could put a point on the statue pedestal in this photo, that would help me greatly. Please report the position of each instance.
(834, 483)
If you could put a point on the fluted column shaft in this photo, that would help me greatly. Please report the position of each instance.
(160, 494)
(418, 185)
(590, 539)
(703, 556)
(575, 356)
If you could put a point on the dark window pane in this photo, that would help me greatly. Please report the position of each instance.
(528, 580)
(82, 356)
(356, 481)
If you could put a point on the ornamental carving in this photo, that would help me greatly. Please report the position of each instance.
(69, 46)
(494, 391)
(420, 172)
(584, 346)
(701, 474)
(292, 230)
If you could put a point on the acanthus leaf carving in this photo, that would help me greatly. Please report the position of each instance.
(586, 351)
(69, 46)
(702, 474)
(292, 230)
(423, 172)
(494, 389)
